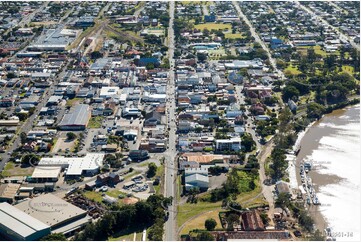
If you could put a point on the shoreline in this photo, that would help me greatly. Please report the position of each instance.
(320, 221)
(313, 210)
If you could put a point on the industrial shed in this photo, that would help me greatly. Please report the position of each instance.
(76, 120)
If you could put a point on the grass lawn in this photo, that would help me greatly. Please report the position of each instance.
(198, 223)
(12, 169)
(348, 69)
(97, 196)
(71, 102)
(234, 36)
(188, 210)
(293, 70)
(95, 122)
(160, 173)
(211, 26)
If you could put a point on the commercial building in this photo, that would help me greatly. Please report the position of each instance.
(17, 225)
(61, 216)
(75, 166)
(46, 174)
(8, 192)
(233, 144)
(196, 178)
(76, 120)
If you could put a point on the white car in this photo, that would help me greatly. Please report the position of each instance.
(103, 189)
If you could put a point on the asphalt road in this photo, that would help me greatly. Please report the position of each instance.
(258, 39)
(170, 168)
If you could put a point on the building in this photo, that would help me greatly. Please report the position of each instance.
(196, 178)
(61, 216)
(8, 192)
(251, 221)
(75, 166)
(18, 225)
(76, 120)
(233, 144)
(138, 155)
(84, 22)
(46, 174)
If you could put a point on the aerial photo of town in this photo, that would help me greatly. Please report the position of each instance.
(180, 120)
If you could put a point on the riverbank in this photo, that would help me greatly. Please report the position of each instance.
(326, 143)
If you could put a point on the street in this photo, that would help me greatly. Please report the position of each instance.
(170, 154)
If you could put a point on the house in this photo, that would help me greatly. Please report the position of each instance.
(110, 179)
(282, 187)
(235, 78)
(153, 119)
(251, 221)
(292, 105)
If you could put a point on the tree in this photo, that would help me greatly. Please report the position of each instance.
(22, 116)
(248, 142)
(54, 237)
(30, 159)
(283, 200)
(70, 136)
(23, 137)
(317, 236)
(210, 224)
(231, 220)
(201, 57)
(150, 66)
(290, 92)
(315, 110)
(205, 236)
(152, 170)
(96, 55)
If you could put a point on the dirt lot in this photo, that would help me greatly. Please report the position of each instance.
(63, 144)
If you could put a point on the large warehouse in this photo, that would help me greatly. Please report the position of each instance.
(75, 166)
(17, 225)
(76, 120)
(61, 216)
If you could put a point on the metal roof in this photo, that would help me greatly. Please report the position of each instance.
(79, 116)
(19, 222)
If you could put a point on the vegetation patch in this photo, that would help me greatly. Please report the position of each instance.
(198, 222)
(211, 26)
(95, 122)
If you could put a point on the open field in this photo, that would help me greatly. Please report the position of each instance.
(95, 122)
(73, 101)
(198, 222)
(12, 169)
(233, 36)
(196, 2)
(292, 70)
(188, 210)
(211, 26)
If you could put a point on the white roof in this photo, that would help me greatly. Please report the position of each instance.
(46, 172)
(50, 209)
(18, 221)
(108, 91)
(76, 165)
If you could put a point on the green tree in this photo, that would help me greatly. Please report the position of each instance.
(290, 92)
(201, 57)
(22, 116)
(54, 237)
(283, 200)
(23, 137)
(30, 159)
(231, 220)
(96, 55)
(315, 110)
(71, 136)
(205, 236)
(248, 142)
(152, 170)
(210, 224)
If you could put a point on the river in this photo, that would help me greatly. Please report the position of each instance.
(333, 146)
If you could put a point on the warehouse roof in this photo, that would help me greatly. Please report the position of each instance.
(50, 209)
(46, 172)
(18, 221)
(9, 190)
(76, 165)
(79, 116)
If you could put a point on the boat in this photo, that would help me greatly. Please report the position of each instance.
(316, 201)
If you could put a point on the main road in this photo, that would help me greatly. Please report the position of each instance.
(170, 187)
(258, 39)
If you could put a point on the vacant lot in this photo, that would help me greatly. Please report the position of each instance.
(292, 70)
(63, 144)
(198, 222)
(211, 26)
(233, 36)
(12, 169)
(95, 122)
